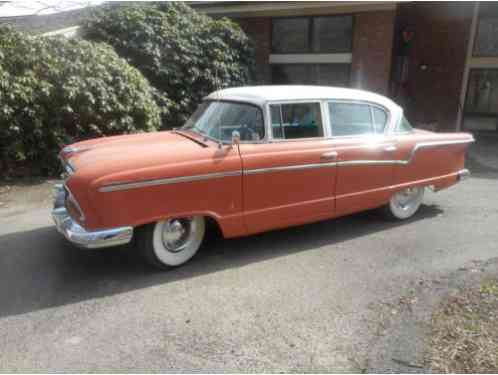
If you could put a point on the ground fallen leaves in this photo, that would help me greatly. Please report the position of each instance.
(465, 331)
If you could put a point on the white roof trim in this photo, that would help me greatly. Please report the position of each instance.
(311, 58)
(260, 95)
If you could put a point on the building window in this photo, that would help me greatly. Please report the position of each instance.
(290, 35)
(318, 74)
(312, 50)
(331, 34)
(482, 92)
(486, 42)
(481, 103)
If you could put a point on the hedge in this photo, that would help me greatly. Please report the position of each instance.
(184, 54)
(54, 91)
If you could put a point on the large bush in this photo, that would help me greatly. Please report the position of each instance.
(184, 54)
(54, 91)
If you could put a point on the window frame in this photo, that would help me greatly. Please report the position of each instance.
(311, 32)
(397, 131)
(310, 78)
(474, 53)
(259, 107)
(363, 102)
(325, 130)
(466, 112)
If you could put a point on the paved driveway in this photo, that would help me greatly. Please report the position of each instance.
(299, 299)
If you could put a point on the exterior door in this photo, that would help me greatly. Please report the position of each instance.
(365, 165)
(291, 179)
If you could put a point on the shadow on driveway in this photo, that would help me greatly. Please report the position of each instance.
(40, 270)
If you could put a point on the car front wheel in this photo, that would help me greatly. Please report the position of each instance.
(172, 242)
(405, 203)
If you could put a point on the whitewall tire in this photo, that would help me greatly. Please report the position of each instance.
(405, 203)
(172, 242)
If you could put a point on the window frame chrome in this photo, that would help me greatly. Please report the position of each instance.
(387, 127)
(228, 100)
(300, 101)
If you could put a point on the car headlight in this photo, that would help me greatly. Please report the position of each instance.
(73, 207)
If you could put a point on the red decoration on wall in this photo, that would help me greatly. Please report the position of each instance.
(408, 36)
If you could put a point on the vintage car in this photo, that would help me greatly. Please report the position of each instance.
(252, 159)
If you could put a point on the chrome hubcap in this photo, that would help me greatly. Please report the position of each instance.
(176, 234)
(406, 198)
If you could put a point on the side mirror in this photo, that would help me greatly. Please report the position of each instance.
(235, 137)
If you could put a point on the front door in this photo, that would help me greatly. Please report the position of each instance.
(291, 179)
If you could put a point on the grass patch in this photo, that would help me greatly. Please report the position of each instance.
(465, 331)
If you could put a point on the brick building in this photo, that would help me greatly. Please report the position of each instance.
(438, 60)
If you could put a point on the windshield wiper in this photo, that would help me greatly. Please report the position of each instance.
(186, 135)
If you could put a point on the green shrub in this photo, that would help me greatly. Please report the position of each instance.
(184, 54)
(54, 91)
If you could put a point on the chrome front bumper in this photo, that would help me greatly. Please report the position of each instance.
(80, 237)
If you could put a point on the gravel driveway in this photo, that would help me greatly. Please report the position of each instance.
(319, 297)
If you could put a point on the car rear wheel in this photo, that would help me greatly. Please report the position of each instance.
(405, 203)
(172, 242)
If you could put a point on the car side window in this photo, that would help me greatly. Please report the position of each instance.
(296, 120)
(379, 119)
(350, 119)
(404, 126)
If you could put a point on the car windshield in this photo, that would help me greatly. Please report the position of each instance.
(219, 119)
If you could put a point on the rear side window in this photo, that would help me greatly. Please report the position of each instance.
(296, 120)
(379, 119)
(348, 119)
(404, 126)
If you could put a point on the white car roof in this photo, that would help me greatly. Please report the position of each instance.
(260, 95)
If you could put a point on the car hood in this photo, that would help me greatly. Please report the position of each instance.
(110, 156)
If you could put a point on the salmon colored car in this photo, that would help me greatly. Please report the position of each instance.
(252, 159)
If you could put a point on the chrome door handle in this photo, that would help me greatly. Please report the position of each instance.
(328, 156)
(390, 148)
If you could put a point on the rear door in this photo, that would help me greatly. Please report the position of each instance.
(365, 164)
(290, 179)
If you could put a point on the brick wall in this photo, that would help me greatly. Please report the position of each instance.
(436, 60)
(372, 50)
(259, 30)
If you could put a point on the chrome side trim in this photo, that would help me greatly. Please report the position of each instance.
(369, 162)
(174, 180)
(290, 168)
(421, 145)
(417, 147)
(165, 181)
